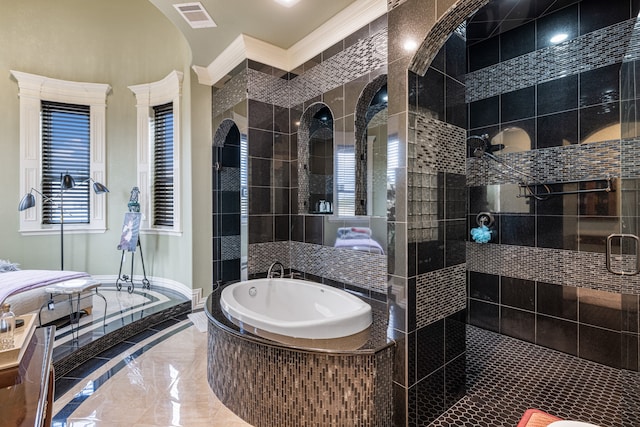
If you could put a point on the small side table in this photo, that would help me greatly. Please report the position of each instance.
(71, 288)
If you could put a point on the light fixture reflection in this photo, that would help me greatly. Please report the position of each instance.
(287, 3)
(560, 37)
(410, 45)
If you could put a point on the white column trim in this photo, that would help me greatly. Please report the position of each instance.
(148, 95)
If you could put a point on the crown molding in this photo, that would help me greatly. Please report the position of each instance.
(41, 87)
(345, 23)
(349, 20)
(161, 91)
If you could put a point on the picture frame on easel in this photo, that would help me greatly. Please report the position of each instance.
(130, 232)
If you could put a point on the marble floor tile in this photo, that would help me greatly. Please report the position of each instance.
(160, 381)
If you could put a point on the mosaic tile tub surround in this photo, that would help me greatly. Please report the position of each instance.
(268, 384)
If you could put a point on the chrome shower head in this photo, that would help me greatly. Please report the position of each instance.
(478, 144)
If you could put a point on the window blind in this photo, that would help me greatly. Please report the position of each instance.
(393, 160)
(163, 165)
(346, 179)
(66, 145)
(244, 179)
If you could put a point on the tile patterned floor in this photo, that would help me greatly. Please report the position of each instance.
(506, 376)
(155, 378)
(122, 309)
(158, 378)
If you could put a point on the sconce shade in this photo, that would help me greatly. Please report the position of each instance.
(67, 182)
(28, 201)
(99, 188)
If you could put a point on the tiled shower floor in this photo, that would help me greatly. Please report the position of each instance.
(506, 376)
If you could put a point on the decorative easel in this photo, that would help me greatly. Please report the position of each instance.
(126, 278)
(129, 242)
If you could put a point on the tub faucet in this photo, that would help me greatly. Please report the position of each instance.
(270, 272)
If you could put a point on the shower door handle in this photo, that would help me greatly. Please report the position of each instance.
(609, 254)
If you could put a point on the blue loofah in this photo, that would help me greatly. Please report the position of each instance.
(481, 234)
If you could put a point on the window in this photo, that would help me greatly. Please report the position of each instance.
(346, 180)
(158, 109)
(244, 178)
(393, 160)
(65, 150)
(62, 130)
(163, 165)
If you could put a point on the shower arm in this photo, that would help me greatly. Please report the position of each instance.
(526, 187)
(528, 192)
(524, 184)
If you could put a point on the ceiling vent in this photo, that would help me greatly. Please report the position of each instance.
(195, 15)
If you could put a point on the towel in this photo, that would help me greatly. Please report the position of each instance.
(536, 418)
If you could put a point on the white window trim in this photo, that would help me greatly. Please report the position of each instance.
(33, 89)
(149, 95)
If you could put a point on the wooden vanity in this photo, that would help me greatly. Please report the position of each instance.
(26, 390)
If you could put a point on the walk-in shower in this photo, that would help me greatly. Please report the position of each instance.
(480, 146)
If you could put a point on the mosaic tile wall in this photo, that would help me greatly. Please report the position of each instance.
(337, 77)
(438, 147)
(357, 268)
(261, 255)
(448, 23)
(357, 60)
(367, 54)
(304, 184)
(593, 50)
(436, 227)
(290, 387)
(268, 88)
(226, 203)
(362, 120)
(364, 270)
(554, 164)
(630, 158)
(232, 93)
(548, 256)
(577, 269)
(598, 325)
(437, 287)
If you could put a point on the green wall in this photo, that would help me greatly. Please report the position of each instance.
(121, 43)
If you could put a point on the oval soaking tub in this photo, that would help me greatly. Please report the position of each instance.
(292, 308)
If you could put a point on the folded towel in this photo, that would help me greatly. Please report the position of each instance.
(354, 232)
(536, 418)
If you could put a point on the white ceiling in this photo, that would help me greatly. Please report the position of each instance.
(264, 20)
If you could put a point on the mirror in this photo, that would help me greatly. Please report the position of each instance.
(229, 203)
(376, 160)
(315, 160)
(370, 197)
(320, 164)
